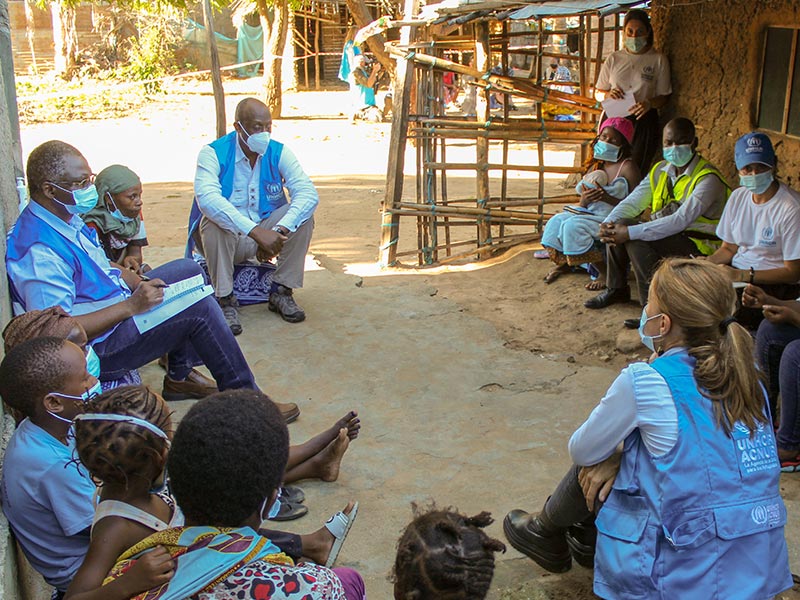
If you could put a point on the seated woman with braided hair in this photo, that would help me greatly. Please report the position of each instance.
(444, 554)
(226, 464)
(693, 501)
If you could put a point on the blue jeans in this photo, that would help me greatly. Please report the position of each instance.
(778, 354)
(198, 335)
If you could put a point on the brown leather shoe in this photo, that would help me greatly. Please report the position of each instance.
(290, 410)
(195, 386)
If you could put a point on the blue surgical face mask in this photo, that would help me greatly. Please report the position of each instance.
(758, 183)
(606, 152)
(117, 213)
(635, 44)
(273, 510)
(92, 362)
(93, 391)
(84, 200)
(257, 142)
(678, 156)
(647, 340)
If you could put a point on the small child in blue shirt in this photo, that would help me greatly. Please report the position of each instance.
(45, 496)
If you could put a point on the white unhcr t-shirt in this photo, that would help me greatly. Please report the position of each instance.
(767, 234)
(647, 75)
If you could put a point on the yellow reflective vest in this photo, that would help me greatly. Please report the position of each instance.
(665, 193)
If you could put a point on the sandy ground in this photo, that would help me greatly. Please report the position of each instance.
(469, 380)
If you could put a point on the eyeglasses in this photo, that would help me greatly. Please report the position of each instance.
(75, 185)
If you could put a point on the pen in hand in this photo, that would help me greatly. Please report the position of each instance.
(158, 285)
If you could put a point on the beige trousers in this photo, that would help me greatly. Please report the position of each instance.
(224, 249)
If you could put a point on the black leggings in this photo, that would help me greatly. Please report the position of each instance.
(567, 505)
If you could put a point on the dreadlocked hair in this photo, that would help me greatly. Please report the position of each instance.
(444, 555)
(115, 451)
(698, 297)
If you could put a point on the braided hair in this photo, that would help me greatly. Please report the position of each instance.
(444, 555)
(116, 451)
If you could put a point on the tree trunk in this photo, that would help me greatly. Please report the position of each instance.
(274, 44)
(361, 15)
(65, 38)
(30, 32)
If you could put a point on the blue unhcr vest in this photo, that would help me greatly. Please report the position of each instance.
(704, 521)
(92, 284)
(271, 194)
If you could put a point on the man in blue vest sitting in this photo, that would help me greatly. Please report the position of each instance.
(244, 213)
(54, 259)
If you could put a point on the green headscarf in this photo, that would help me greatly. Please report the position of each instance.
(113, 180)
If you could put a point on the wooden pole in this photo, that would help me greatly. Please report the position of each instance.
(397, 148)
(8, 88)
(482, 62)
(216, 74)
(316, 54)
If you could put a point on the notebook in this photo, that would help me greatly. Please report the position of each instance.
(177, 297)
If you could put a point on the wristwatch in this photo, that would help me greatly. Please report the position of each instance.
(281, 229)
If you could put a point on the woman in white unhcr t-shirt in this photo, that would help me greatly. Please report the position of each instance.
(760, 228)
(640, 69)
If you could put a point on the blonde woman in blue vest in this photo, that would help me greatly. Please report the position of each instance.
(674, 211)
(691, 508)
(760, 228)
(241, 211)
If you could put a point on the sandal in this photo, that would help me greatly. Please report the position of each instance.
(339, 525)
(791, 465)
(555, 273)
(289, 511)
(292, 494)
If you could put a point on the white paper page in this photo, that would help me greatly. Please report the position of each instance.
(619, 108)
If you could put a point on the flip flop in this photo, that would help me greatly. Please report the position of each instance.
(541, 254)
(339, 525)
(791, 465)
(289, 511)
(292, 494)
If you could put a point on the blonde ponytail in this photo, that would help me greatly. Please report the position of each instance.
(699, 298)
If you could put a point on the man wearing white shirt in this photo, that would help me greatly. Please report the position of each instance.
(239, 190)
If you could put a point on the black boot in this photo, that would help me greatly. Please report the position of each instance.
(536, 537)
(582, 539)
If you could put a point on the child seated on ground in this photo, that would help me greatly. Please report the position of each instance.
(444, 554)
(226, 485)
(117, 218)
(122, 440)
(45, 496)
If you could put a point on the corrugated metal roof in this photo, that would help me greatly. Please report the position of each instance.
(523, 10)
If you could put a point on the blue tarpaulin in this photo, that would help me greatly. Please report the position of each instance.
(573, 7)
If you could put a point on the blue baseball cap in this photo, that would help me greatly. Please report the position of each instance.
(754, 147)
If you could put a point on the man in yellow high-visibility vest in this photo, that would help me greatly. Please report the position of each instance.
(674, 211)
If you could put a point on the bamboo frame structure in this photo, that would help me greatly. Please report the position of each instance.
(500, 219)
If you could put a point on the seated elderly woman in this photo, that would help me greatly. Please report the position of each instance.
(694, 495)
(226, 485)
(117, 217)
(760, 228)
(572, 237)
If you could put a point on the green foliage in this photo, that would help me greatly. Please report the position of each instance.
(151, 56)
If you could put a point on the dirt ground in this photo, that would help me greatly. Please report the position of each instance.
(469, 379)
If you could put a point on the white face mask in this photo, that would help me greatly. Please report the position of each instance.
(257, 142)
(89, 394)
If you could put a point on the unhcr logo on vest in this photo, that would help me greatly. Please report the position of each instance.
(274, 190)
(766, 514)
(757, 452)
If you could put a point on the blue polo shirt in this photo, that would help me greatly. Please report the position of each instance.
(47, 501)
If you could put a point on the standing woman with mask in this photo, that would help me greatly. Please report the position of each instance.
(760, 228)
(640, 69)
(691, 507)
(117, 218)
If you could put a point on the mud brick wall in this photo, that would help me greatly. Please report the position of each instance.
(715, 50)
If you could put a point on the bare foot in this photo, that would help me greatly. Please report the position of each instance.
(317, 546)
(330, 459)
(595, 286)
